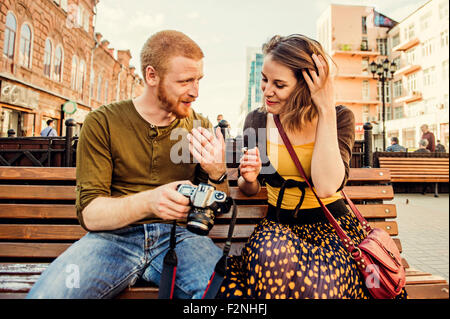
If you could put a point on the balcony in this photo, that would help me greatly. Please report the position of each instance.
(354, 50)
(406, 45)
(361, 76)
(408, 69)
(411, 97)
(361, 102)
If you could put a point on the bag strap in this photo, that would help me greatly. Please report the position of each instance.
(348, 243)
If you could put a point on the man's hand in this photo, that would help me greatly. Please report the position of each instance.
(167, 203)
(208, 150)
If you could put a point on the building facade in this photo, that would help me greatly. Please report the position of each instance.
(418, 92)
(354, 37)
(45, 74)
(253, 94)
(419, 46)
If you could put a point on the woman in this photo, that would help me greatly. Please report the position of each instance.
(294, 252)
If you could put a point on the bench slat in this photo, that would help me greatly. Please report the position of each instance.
(39, 211)
(378, 192)
(32, 250)
(75, 232)
(36, 192)
(37, 173)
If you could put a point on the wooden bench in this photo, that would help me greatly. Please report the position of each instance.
(38, 222)
(417, 170)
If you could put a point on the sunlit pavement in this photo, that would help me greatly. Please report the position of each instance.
(424, 231)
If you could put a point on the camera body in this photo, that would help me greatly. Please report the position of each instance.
(206, 203)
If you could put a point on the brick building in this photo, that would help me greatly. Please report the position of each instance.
(50, 56)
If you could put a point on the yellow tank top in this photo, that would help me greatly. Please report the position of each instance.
(281, 160)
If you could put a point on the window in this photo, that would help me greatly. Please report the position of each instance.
(25, 46)
(411, 56)
(398, 88)
(364, 25)
(427, 48)
(106, 91)
(364, 44)
(387, 92)
(365, 90)
(443, 10)
(64, 5)
(445, 70)
(91, 84)
(398, 112)
(412, 83)
(444, 38)
(57, 68)
(396, 40)
(397, 62)
(47, 57)
(425, 21)
(10, 36)
(99, 87)
(73, 79)
(429, 76)
(365, 113)
(81, 76)
(410, 32)
(382, 46)
(365, 65)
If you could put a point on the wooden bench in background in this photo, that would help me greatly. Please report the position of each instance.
(417, 170)
(38, 222)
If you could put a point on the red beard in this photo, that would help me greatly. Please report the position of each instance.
(173, 106)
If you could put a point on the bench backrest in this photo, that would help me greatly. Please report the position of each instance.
(416, 169)
(38, 217)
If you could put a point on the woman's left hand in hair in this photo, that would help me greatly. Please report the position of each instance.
(320, 85)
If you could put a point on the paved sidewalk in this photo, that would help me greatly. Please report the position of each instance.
(424, 231)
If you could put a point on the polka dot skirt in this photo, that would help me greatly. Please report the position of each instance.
(296, 261)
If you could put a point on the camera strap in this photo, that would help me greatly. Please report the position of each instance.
(169, 271)
(219, 271)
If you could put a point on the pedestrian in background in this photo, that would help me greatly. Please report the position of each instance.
(395, 147)
(429, 136)
(49, 131)
(440, 148)
(423, 147)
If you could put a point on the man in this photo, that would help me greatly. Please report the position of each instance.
(423, 147)
(49, 130)
(429, 136)
(395, 147)
(440, 148)
(219, 118)
(127, 178)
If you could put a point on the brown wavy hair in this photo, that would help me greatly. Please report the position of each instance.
(295, 52)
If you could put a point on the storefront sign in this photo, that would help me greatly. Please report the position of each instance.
(18, 95)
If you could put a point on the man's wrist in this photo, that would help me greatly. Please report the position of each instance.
(218, 179)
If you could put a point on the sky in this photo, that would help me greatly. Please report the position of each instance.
(223, 29)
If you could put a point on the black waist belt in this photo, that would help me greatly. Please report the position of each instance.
(305, 216)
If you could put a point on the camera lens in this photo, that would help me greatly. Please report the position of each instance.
(200, 221)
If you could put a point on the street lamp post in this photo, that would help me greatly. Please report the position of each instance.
(384, 72)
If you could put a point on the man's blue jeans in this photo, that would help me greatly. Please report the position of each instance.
(102, 264)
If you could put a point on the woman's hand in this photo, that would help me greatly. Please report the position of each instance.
(321, 85)
(250, 165)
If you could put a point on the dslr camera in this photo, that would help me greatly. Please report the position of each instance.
(206, 203)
